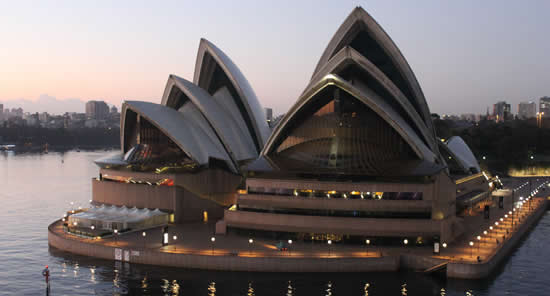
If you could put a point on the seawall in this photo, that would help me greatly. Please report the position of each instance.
(474, 270)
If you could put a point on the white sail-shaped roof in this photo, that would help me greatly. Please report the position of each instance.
(210, 59)
(348, 56)
(363, 33)
(220, 111)
(367, 97)
(463, 155)
(187, 128)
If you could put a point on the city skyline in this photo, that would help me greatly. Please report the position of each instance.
(466, 60)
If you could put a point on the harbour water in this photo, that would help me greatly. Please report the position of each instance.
(36, 189)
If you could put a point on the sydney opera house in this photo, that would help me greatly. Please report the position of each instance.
(356, 156)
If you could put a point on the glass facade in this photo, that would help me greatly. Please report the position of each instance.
(336, 132)
(153, 146)
(336, 194)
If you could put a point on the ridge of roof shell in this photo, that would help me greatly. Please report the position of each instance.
(240, 83)
(367, 23)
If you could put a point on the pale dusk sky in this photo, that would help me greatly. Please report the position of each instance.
(465, 54)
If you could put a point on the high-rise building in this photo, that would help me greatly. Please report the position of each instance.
(502, 111)
(97, 110)
(114, 109)
(1, 112)
(527, 110)
(544, 106)
(268, 115)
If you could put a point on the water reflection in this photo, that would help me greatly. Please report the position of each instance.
(289, 289)
(212, 289)
(329, 289)
(404, 289)
(366, 289)
(250, 291)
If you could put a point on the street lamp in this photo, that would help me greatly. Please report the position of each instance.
(405, 241)
(250, 241)
(212, 239)
(289, 249)
(471, 249)
(92, 227)
(175, 237)
(116, 234)
(144, 234)
(368, 243)
(329, 242)
(479, 239)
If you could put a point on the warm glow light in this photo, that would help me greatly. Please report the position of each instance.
(471, 244)
(368, 242)
(478, 237)
(175, 237)
(444, 245)
(405, 241)
(290, 242)
(144, 234)
(485, 232)
(250, 240)
(92, 227)
(491, 227)
(212, 239)
(329, 242)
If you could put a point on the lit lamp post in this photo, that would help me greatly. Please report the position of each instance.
(250, 242)
(478, 243)
(212, 240)
(116, 234)
(368, 243)
(329, 242)
(289, 247)
(144, 234)
(175, 237)
(444, 245)
(471, 249)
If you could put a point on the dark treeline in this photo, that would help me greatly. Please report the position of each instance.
(517, 143)
(32, 137)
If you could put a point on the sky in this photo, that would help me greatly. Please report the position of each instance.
(466, 54)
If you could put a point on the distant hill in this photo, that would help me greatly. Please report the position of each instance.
(46, 103)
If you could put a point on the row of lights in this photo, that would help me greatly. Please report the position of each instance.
(518, 207)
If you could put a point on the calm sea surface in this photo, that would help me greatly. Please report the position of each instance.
(36, 189)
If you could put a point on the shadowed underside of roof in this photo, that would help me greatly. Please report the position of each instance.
(340, 127)
(187, 129)
(361, 32)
